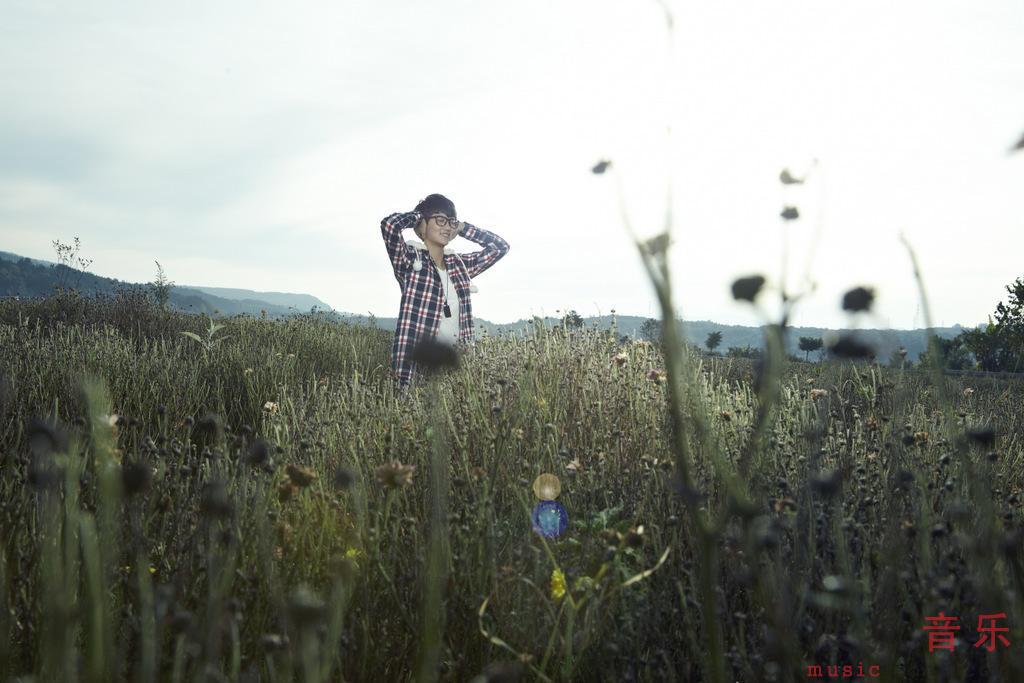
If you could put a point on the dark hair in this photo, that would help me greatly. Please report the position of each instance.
(436, 202)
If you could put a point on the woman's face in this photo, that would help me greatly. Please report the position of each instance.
(437, 233)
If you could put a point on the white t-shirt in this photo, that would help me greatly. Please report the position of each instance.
(448, 331)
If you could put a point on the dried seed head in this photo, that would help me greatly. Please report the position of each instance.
(826, 484)
(982, 436)
(848, 346)
(765, 532)
(344, 477)
(215, 501)
(434, 355)
(690, 495)
(655, 375)
(44, 473)
(47, 436)
(787, 178)
(210, 427)
(395, 475)
(300, 476)
(258, 453)
(858, 299)
(286, 490)
(136, 477)
(747, 288)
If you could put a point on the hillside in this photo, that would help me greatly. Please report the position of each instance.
(884, 341)
(21, 276)
(25, 277)
(301, 302)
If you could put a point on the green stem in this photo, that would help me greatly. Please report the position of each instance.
(708, 567)
(567, 662)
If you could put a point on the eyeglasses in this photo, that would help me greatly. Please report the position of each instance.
(444, 221)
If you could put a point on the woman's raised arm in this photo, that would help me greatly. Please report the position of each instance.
(399, 252)
(494, 248)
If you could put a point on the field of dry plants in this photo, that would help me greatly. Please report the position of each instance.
(263, 508)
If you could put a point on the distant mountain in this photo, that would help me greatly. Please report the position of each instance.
(301, 302)
(22, 276)
(8, 256)
(885, 342)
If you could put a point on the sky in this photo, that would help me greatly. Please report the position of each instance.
(258, 145)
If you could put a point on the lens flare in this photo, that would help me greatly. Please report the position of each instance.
(550, 519)
(547, 486)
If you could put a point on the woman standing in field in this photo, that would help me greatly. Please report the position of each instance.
(435, 280)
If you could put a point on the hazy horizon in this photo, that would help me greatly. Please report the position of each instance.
(558, 315)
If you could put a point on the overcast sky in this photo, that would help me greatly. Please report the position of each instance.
(258, 145)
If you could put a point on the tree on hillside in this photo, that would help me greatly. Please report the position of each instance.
(744, 352)
(712, 342)
(987, 346)
(808, 344)
(999, 346)
(651, 330)
(573, 320)
(995, 347)
(949, 354)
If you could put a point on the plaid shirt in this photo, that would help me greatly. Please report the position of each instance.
(422, 291)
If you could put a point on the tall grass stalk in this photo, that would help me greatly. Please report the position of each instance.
(432, 611)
